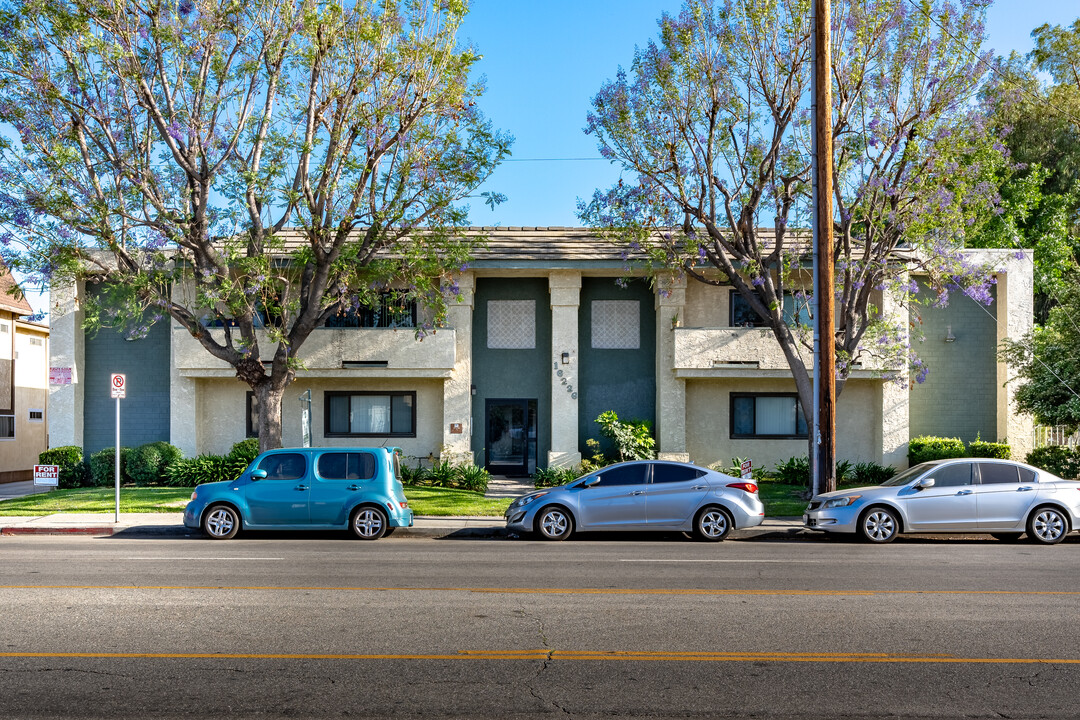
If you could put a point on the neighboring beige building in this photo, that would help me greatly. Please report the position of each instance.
(24, 385)
(543, 338)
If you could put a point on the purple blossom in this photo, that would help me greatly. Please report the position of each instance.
(184, 7)
(758, 281)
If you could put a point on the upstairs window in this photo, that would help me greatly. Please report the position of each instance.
(742, 315)
(391, 310)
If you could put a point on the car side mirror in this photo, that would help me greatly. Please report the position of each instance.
(258, 474)
(590, 482)
(924, 483)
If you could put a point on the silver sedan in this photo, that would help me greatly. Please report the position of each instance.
(968, 495)
(640, 495)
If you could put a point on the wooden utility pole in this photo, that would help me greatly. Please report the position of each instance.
(823, 440)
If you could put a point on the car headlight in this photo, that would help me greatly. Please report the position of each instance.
(194, 493)
(840, 502)
(523, 501)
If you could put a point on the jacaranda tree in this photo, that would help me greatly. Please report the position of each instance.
(712, 124)
(161, 147)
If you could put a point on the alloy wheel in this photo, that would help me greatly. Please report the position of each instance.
(879, 526)
(713, 524)
(554, 524)
(369, 523)
(1048, 526)
(221, 523)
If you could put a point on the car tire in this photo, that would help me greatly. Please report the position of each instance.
(879, 525)
(712, 524)
(368, 522)
(554, 523)
(1047, 525)
(1007, 537)
(221, 522)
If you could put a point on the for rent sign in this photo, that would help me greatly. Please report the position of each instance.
(47, 475)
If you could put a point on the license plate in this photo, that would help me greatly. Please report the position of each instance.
(809, 521)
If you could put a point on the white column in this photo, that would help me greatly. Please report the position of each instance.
(67, 351)
(565, 287)
(670, 390)
(457, 389)
(895, 411)
(183, 407)
(1015, 316)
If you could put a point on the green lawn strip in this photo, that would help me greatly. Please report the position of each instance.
(437, 501)
(781, 499)
(99, 500)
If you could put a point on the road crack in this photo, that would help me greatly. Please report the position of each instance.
(548, 658)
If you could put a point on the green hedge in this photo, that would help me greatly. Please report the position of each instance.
(978, 448)
(146, 464)
(74, 472)
(103, 467)
(922, 449)
(1057, 459)
(188, 472)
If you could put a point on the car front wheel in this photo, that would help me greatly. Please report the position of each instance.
(554, 523)
(1048, 526)
(879, 525)
(368, 523)
(221, 522)
(712, 524)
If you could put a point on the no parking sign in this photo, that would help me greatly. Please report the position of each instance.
(118, 385)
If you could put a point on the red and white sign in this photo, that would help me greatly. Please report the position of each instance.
(47, 475)
(745, 471)
(117, 384)
(59, 376)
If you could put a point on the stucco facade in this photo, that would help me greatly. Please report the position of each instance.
(540, 337)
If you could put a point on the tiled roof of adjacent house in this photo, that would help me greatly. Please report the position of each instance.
(11, 296)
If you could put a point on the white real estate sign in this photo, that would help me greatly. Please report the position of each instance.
(47, 475)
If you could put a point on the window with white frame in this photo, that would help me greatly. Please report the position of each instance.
(7, 427)
(511, 324)
(616, 324)
(36, 341)
(767, 415)
(36, 416)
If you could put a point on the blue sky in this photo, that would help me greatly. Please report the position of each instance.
(545, 61)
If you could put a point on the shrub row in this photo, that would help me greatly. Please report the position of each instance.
(1060, 460)
(447, 474)
(925, 448)
(156, 463)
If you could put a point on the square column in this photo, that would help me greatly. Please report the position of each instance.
(670, 390)
(895, 411)
(565, 290)
(457, 389)
(67, 351)
(1015, 317)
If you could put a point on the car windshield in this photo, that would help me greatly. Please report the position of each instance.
(908, 475)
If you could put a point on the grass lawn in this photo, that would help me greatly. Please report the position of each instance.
(99, 500)
(422, 500)
(781, 499)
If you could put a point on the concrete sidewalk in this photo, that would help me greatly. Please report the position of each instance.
(172, 524)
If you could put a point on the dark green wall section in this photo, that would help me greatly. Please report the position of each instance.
(959, 396)
(144, 413)
(512, 373)
(619, 380)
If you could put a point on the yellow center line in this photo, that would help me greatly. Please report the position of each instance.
(549, 591)
(551, 655)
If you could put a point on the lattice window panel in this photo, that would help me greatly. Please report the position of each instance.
(511, 324)
(616, 324)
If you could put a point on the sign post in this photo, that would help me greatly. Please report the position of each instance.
(118, 387)
(305, 416)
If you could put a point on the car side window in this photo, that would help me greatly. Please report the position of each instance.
(1027, 475)
(952, 475)
(998, 474)
(346, 466)
(666, 473)
(622, 475)
(284, 466)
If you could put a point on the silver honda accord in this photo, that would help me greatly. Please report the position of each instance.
(968, 495)
(641, 495)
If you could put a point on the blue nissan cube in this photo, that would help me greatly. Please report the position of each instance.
(306, 489)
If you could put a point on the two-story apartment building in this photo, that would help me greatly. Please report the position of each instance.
(543, 337)
(24, 367)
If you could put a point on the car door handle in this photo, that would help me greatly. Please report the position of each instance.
(638, 492)
(1024, 489)
(700, 487)
(964, 492)
(301, 487)
(353, 487)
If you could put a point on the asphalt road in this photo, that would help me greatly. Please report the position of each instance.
(326, 626)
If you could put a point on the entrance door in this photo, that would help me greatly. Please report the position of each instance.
(510, 440)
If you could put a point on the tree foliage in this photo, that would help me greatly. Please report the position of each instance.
(713, 126)
(164, 147)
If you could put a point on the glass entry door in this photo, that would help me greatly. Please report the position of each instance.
(511, 436)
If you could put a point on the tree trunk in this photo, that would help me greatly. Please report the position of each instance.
(268, 397)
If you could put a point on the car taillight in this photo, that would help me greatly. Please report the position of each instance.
(745, 487)
(404, 504)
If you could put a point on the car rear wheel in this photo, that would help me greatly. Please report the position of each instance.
(1006, 537)
(712, 524)
(1047, 525)
(221, 522)
(879, 525)
(554, 523)
(368, 523)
